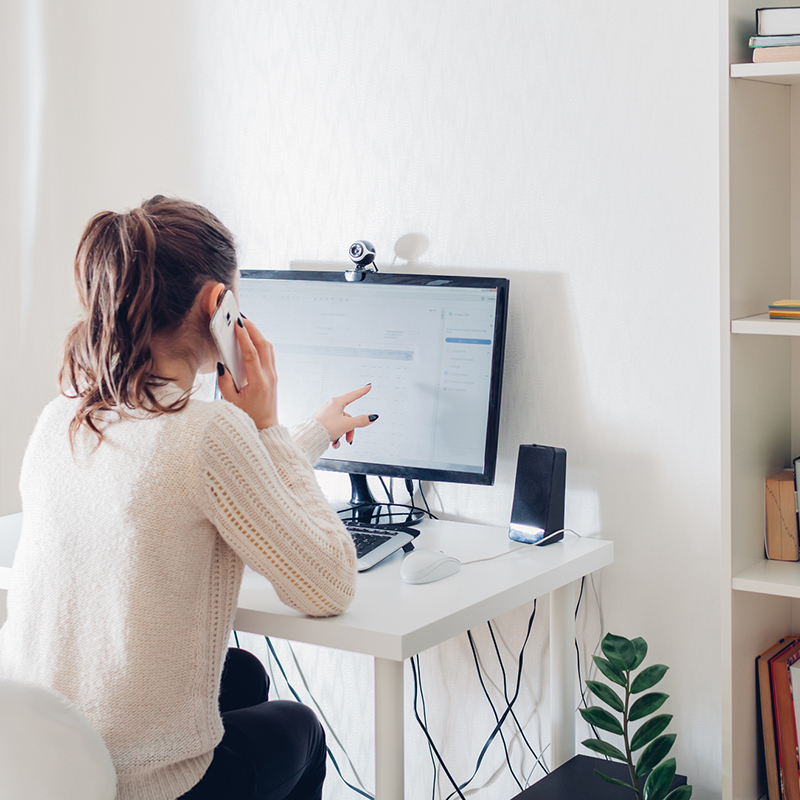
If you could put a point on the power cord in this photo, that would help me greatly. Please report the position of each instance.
(583, 701)
(510, 705)
(297, 697)
(505, 714)
(425, 720)
(494, 711)
(522, 547)
(431, 745)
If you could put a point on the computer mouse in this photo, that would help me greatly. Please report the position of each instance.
(426, 566)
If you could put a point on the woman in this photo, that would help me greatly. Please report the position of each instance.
(141, 507)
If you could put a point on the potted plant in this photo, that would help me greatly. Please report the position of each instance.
(651, 776)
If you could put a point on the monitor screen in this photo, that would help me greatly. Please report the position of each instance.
(431, 346)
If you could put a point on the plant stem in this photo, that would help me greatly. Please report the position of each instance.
(628, 753)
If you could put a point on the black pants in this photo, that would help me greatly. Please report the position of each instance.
(271, 750)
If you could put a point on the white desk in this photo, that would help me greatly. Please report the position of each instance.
(393, 621)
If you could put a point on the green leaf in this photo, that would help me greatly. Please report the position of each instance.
(647, 705)
(619, 651)
(613, 780)
(659, 780)
(604, 748)
(607, 695)
(610, 671)
(654, 752)
(648, 677)
(600, 718)
(652, 728)
(640, 646)
(681, 793)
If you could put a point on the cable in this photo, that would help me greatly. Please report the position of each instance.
(324, 718)
(505, 693)
(428, 736)
(425, 718)
(584, 701)
(494, 712)
(424, 500)
(328, 750)
(506, 712)
(388, 490)
(521, 547)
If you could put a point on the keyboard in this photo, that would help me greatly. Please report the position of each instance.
(368, 538)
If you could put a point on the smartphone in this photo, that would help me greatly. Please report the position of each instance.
(223, 332)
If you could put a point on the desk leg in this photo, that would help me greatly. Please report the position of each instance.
(389, 732)
(563, 674)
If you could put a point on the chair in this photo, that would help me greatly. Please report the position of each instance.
(48, 749)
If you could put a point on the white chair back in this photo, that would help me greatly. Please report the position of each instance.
(48, 749)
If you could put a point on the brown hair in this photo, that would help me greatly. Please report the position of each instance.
(138, 274)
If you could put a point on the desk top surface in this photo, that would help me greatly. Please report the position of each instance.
(394, 620)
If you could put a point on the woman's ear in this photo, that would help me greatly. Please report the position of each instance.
(213, 297)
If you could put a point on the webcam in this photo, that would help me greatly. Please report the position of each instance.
(362, 254)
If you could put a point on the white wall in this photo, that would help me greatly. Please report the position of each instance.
(570, 146)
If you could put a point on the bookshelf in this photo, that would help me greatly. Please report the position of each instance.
(760, 178)
(786, 73)
(763, 325)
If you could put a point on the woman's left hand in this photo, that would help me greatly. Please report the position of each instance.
(338, 422)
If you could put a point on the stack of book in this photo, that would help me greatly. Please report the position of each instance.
(777, 35)
(784, 309)
(778, 675)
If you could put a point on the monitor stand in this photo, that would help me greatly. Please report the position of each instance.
(364, 508)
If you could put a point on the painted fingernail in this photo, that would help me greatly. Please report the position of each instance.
(240, 323)
(244, 316)
(336, 444)
(373, 417)
(220, 369)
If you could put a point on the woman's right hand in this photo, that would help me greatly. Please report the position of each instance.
(259, 396)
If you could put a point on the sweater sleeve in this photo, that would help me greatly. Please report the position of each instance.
(311, 437)
(260, 492)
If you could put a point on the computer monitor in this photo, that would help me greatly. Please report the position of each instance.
(432, 347)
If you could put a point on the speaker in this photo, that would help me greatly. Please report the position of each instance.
(539, 492)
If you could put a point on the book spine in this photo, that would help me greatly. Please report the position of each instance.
(785, 726)
(775, 41)
(777, 20)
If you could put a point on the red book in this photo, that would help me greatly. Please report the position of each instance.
(785, 728)
(767, 715)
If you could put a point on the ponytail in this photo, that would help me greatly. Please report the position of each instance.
(137, 276)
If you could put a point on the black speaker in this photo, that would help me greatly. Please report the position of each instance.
(539, 491)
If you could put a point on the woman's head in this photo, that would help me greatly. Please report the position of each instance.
(138, 276)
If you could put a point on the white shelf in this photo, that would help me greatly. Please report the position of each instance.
(784, 72)
(762, 324)
(781, 578)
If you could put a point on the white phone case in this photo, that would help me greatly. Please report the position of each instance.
(223, 332)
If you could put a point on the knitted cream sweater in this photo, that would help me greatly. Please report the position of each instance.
(128, 570)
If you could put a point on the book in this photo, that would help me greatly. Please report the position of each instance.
(794, 677)
(778, 21)
(767, 715)
(781, 541)
(763, 55)
(785, 731)
(774, 41)
(785, 309)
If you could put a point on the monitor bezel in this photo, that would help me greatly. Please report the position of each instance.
(487, 475)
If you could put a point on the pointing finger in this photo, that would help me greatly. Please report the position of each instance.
(349, 397)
